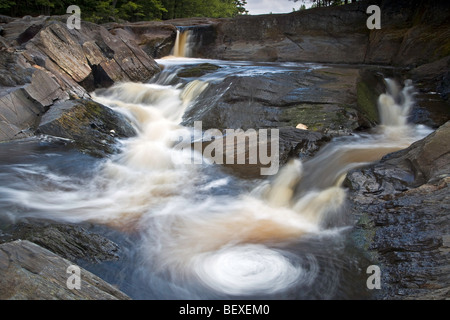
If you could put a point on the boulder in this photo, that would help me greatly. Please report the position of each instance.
(92, 127)
(245, 148)
(30, 272)
(324, 100)
(401, 207)
(197, 70)
(22, 106)
(72, 242)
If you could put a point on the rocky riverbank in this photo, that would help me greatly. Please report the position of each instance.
(402, 207)
(400, 204)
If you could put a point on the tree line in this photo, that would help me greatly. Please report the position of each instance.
(136, 10)
(323, 3)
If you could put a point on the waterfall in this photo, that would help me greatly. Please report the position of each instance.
(183, 44)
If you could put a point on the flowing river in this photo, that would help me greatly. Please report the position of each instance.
(189, 230)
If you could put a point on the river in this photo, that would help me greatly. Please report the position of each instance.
(189, 230)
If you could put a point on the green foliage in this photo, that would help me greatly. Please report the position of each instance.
(6, 4)
(130, 10)
(104, 12)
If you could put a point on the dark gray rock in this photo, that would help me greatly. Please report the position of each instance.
(22, 106)
(14, 70)
(324, 100)
(94, 128)
(292, 143)
(433, 84)
(91, 56)
(43, 62)
(155, 38)
(412, 33)
(197, 70)
(20, 31)
(30, 272)
(402, 206)
(72, 242)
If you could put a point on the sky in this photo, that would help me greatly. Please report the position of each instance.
(274, 6)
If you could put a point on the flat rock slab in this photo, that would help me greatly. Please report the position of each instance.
(30, 272)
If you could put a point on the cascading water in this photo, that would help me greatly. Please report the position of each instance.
(198, 242)
(183, 43)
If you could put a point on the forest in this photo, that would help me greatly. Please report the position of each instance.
(142, 10)
(136, 10)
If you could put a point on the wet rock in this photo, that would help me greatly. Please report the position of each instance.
(197, 70)
(30, 272)
(370, 85)
(322, 99)
(245, 150)
(296, 143)
(433, 84)
(425, 161)
(94, 128)
(402, 208)
(72, 242)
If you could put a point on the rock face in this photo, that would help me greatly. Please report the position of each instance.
(155, 38)
(339, 35)
(402, 206)
(93, 127)
(43, 62)
(30, 272)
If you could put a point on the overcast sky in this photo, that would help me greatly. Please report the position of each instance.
(274, 6)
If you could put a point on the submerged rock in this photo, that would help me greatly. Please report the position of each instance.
(94, 128)
(30, 272)
(402, 207)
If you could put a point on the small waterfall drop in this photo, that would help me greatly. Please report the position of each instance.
(183, 43)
